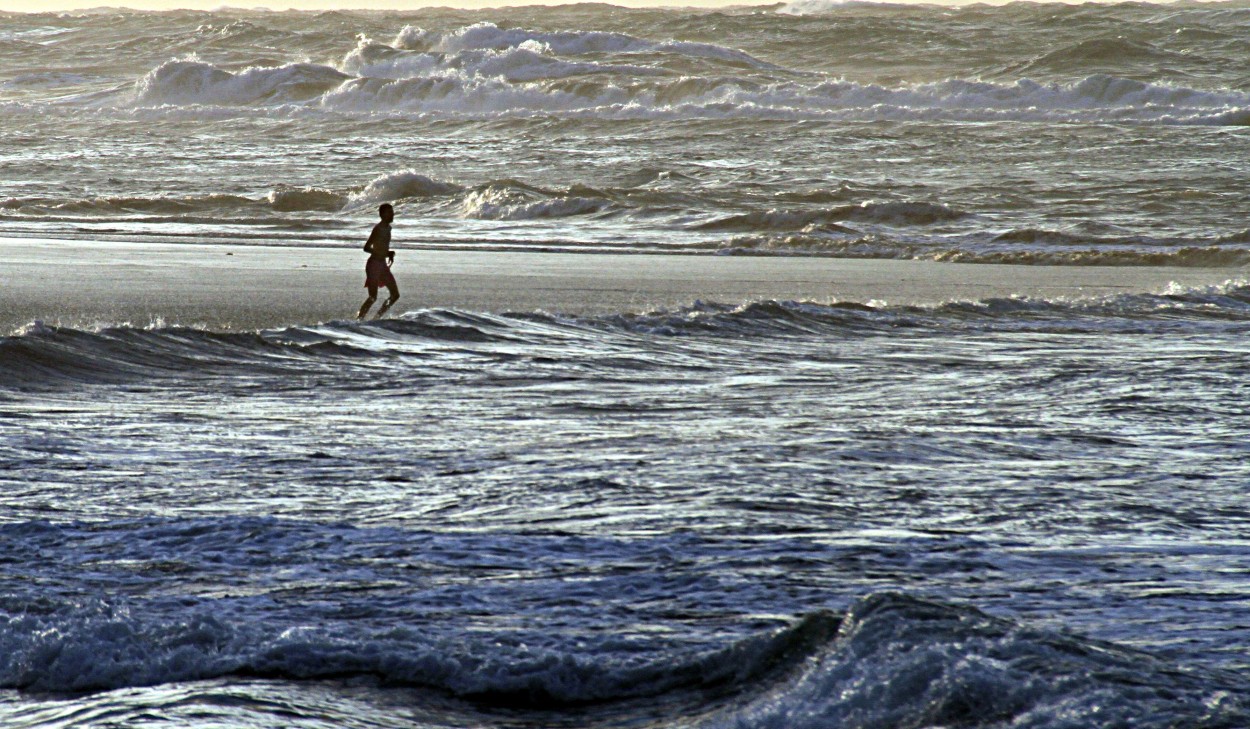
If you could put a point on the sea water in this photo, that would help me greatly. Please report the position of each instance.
(1015, 512)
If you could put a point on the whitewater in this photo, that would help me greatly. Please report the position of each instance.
(985, 512)
(1107, 134)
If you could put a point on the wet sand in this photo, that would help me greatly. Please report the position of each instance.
(92, 283)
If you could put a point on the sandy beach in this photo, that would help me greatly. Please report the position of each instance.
(230, 287)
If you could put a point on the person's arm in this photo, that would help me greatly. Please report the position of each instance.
(369, 243)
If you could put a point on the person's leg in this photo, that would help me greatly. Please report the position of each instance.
(364, 308)
(394, 289)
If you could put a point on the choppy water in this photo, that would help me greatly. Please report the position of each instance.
(1032, 132)
(1002, 513)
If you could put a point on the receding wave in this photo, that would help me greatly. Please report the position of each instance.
(1019, 247)
(1188, 256)
(889, 213)
(103, 205)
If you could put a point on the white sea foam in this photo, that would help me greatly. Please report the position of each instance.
(488, 36)
(527, 79)
(195, 82)
(369, 58)
(817, 7)
(398, 185)
(293, 199)
(506, 202)
(483, 70)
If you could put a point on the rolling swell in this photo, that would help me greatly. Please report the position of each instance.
(388, 618)
(489, 36)
(503, 199)
(98, 649)
(903, 661)
(42, 356)
(45, 356)
(1016, 103)
(891, 660)
(194, 82)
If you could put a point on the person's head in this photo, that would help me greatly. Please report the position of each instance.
(386, 212)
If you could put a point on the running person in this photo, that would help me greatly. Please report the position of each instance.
(378, 268)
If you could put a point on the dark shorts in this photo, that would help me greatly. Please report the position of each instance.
(378, 274)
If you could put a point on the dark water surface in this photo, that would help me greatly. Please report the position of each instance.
(1008, 513)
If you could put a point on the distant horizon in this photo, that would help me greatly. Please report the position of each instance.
(46, 6)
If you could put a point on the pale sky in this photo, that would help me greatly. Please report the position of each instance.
(33, 6)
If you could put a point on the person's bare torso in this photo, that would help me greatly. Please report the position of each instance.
(380, 240)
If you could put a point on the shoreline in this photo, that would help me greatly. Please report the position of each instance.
(220, 286)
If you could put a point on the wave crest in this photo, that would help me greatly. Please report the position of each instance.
(488, 36)
(514, 73)
(402, 185)
(195, 82)
(891, 660)
(40, 357)
(298, 199)
(482, 70)
(509, 200)
(899, 660)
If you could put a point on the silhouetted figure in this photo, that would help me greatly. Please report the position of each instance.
(378, 267)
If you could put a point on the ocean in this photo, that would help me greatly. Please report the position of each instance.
(1014, 512)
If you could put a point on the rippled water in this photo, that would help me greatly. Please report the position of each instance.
(777, 515)
(1014, 512)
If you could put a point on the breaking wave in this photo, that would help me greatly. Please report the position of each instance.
(483, 71)
(488, 36)
(192, 82)
(407, 184)
(514, 201)
(497, 200)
